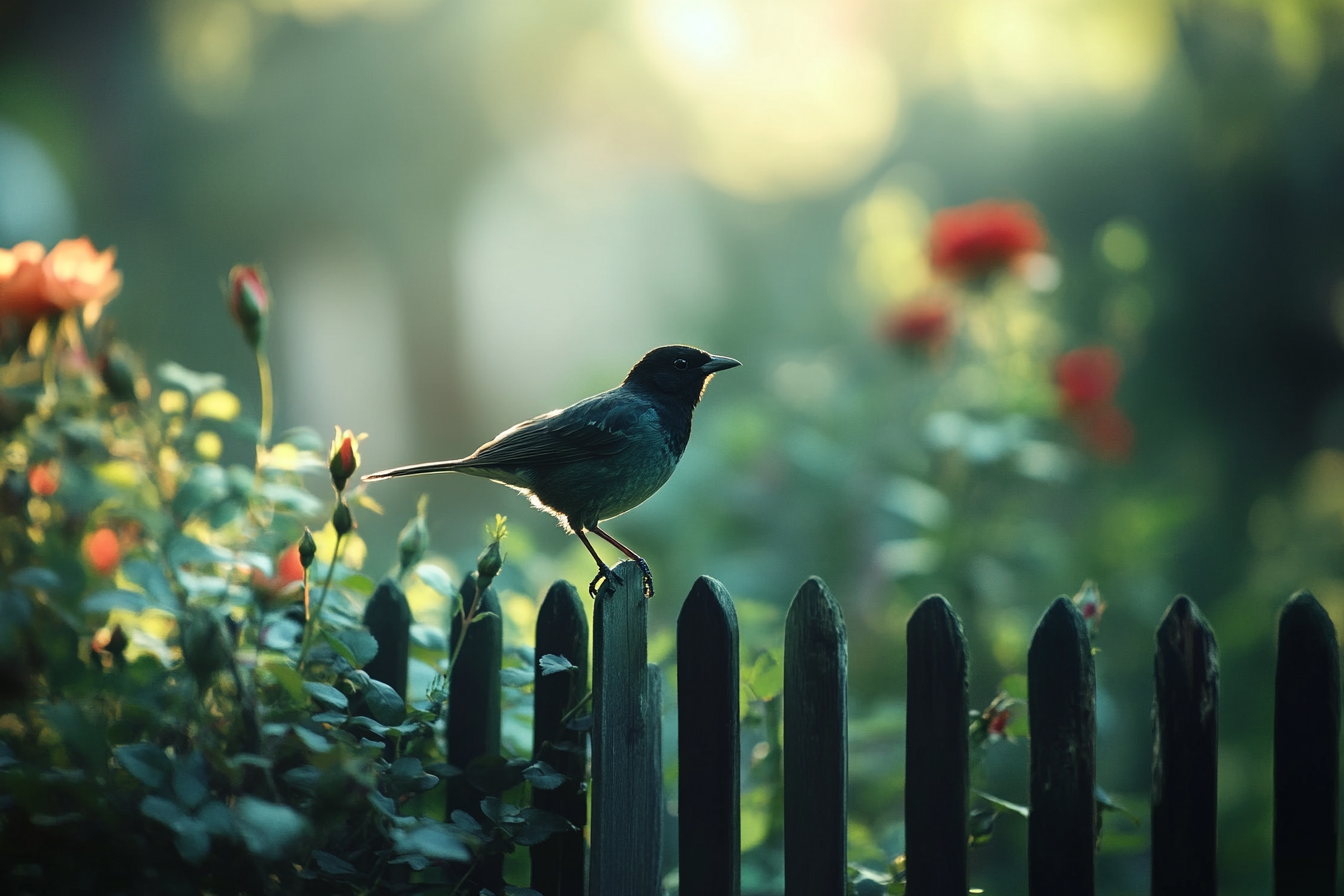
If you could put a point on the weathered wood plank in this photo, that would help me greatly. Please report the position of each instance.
(562, 629)
(709, 740)
(388, 618)
(626, 829)
(474, 712)
(1306, 751)
(815, 744)
(1062, 696)
(937, 752)
(1185, 754)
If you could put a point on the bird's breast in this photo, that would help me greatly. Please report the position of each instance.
(587, 493)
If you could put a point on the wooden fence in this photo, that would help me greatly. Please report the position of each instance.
(623, 857)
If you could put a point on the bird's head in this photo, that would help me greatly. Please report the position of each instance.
(681, 370)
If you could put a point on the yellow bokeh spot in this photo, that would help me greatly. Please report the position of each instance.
(208, 445)
(521, 611)
(1123, 244)
(779, 99)
(172, 401)
(353, 551)
(889, 231)
(118, 473)
(218, 405)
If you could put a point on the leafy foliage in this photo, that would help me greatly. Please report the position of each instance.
(183, 701)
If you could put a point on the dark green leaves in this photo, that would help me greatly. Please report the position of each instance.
(147, 762)
(552, 663)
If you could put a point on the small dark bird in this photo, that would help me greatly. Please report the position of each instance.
(596, 459)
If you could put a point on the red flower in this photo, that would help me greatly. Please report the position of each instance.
(925, 322)
(102, 551)
(998, 723)
(1108, 432)
(44, 479)
(288, 570)
(344, 458)
(1087, 377)
(977, 239)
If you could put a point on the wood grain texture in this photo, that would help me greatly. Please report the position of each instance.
(937, 752)
(709, 742)
(1062, 696)
(1185, 754)
(815, 744)
(1306, 751)
(626, 855)
(559, 861)
(474, 713)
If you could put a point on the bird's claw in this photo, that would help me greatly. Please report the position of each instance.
(603, 573)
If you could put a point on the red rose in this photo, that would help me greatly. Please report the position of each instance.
(1087, 377)
(977, 239)
(925, 322)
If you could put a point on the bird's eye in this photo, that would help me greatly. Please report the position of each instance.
(680, 363)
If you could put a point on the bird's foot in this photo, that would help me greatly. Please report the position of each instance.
(648, 577)
(604, 573)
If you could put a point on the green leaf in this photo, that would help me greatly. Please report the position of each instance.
(434, 840)
(368, 724)
(288, 678)
(538, 825)
(552, 663)
(165, 812)
(543, 777)
(189, 381)
(520, 891)
(513, 677)
(408, 776)
(767, 675)
(36, 577)
(385, 806)
(292, 498)
(217, 819)
(436, 579)
(361, 645)
(189, 780)
(326, 694)
(184, 550)
(501, 812)
(416, 861)
(192, 841)
(312, 740)
(269, 830)
(330, 718)
(115, 599)
(304, 777)
(1109, 805)
(385, 703)
(430, 637)
(206, 487)
(1015, 808)
(151, 578)
(146, 762)
(331, 864)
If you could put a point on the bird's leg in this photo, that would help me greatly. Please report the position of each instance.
(603, 571)
(644, 567)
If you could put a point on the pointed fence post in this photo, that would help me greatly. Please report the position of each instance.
(709, 742)
(815, 744)
(474, 712)
(626, 855)
(1306, 751)
(388, 618)
(937, 751)
(1185, 754)
(562, 630)
(1062, 696)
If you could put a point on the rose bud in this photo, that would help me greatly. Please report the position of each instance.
(307, 548)
(341, 519)
(249, 302)
(344, 458)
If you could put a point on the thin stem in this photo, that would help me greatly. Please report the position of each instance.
(267, 395)
(466, 624)
(467, 875)
(577, 706)
(311, 624)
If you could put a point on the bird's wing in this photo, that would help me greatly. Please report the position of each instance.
(596, 427)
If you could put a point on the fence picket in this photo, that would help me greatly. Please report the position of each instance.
(1062, 696)
(388, 618)
(627, 781)
(474, 712)
(937, 751)
(562, 630)
(709, 742)
(815, 743)
(1306, 750)
(1185, 754)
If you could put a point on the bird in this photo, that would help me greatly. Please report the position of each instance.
(601, 456)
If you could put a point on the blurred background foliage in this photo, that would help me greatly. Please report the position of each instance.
(475, 210)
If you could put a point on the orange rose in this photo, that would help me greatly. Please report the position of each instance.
(103, 551)
(35, 283)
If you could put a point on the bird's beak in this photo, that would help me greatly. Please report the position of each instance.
(717, 363)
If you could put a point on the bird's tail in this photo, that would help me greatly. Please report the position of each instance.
(434, 466)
